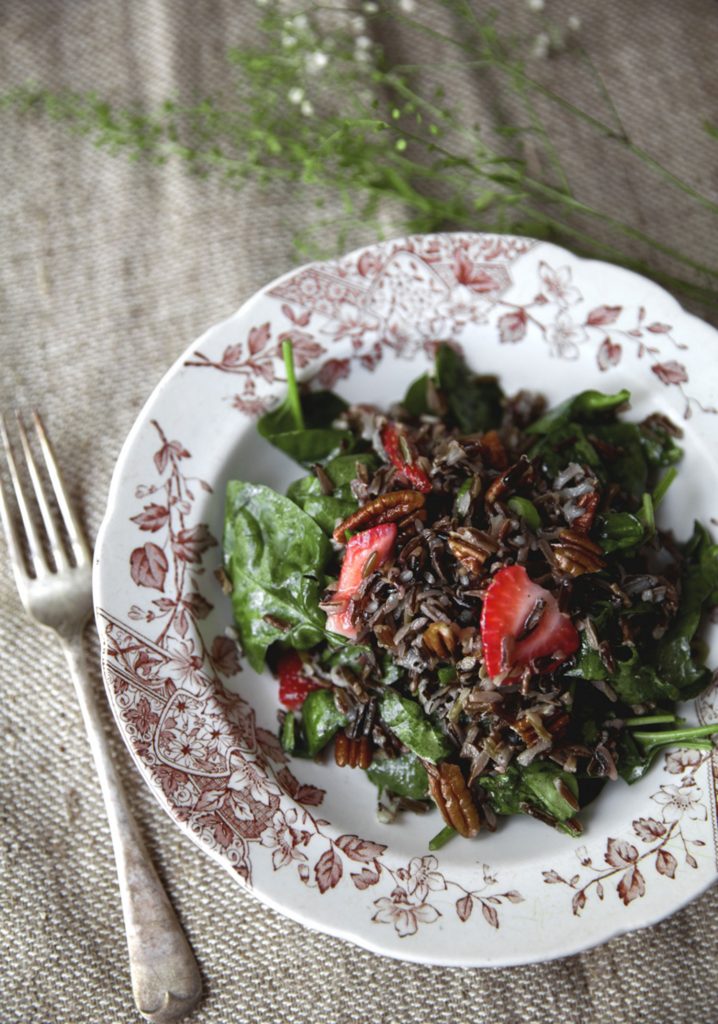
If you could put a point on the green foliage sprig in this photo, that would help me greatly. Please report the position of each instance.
(319, 104)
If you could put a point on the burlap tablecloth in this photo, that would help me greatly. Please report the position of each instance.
(108, 270)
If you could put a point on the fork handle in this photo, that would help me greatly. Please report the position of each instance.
(166, 982)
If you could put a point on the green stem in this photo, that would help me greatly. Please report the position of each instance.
(686, 738)
(293, 399)
(442, 838)
(650, 720)
(662, 486)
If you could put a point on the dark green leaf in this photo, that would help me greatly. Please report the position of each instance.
(620, 531)
(274, 556)
(309, 446)
(416, 401)
(321, 720)
(535, 785)
(405, 776)
(408, 721)
(314, 440)
(675, 657)
(567, 443)
(586, 407)
(474, 402)
(288, 737)
(627, 465)
(328, 509)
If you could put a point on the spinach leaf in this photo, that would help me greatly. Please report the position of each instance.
(628, 465)
(301, 426)
(274, 556)
(408, 721)
(675, 657)
(415, 400)
(309, 446)
(519, 788)
(474, 402)
(586, 407)
(659, 446)
(328, 509)
(405, 776)
(566, 443)
(620, 531)
(321, 720)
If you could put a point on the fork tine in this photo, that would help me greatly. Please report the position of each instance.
(56, 543)
(17, 558)
(33, 538)
(75, 532)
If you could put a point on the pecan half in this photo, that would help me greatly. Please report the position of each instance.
(356, 753)
(576, 554)
(386, 508)
(447, 786)
(471, 547)
(441, 638)
(492, 448)
(589, 503)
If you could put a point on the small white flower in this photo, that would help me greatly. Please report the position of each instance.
(363, 43)
(408, 6)
(316, 61)
(358, 24)
(535, 5)
(288, 40)
(295, 95)
(300, 22)
(574, 23)
(306, 108)
(261, 3)
(370, 7)
(362, 57)
(541, 46)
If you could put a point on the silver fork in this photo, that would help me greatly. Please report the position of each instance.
(165, 978)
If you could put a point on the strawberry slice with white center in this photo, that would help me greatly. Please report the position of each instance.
(520, 621)
(365, 552)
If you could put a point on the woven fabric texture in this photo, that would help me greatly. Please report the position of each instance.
(108, 269)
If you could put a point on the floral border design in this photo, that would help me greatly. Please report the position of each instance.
(679, 804)
(407, 294)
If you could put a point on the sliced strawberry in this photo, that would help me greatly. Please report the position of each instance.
(293, 684)
(375, 544)
(417, 477)
(511, 598)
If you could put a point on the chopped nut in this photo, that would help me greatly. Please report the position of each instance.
(441, 639)
(493, 449)
(386, 508)
(451, 795)
(576, 554)
(589, 503)
(354, 753)
(472, 548)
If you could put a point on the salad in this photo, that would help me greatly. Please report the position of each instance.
(469, 597)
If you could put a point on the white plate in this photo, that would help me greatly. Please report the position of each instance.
(303, 837)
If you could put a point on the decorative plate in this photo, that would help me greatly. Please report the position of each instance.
(202, 726)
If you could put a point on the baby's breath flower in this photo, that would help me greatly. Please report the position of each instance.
(541, 46)
(574, 22)
(295, 95)
(535, 5)
(370, 7)
(316, 61)
(362, 57)
(358, 24)
(408, 6)
(363, 43)
(307, 108)
(300, 22)
(288, 40)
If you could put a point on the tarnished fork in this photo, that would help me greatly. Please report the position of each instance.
(57, 593)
